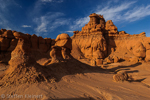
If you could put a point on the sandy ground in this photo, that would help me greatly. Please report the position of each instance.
(96, 85)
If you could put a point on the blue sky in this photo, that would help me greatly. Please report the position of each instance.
(48, 18)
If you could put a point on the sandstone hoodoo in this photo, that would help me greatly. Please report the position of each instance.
(23, 68)
(91, 40)
(99, 39)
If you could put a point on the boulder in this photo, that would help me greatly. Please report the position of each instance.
(121, 76)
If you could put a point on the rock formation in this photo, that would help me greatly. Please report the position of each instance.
(90, 40)
(121, 76)
(23, 68)
(62, 48)
(99, 39)
(9, 40)
(98, 42)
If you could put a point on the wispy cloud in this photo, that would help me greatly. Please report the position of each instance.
(5, 14)
(49, 22)
(78, 23)
(126, 11)
(137, 13)
(69, 31)
(25, 26)
(114, 12)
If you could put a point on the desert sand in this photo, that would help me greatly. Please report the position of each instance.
(96, 63)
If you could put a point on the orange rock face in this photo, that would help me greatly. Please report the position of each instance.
(63, 40)
(90, 40)
(23, 68)
(99, 39)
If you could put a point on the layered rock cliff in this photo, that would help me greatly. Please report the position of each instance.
(99, 39)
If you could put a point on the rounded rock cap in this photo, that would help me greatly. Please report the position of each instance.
(62, 36)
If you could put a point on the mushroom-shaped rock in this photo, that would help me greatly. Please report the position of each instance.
(63, 40)
(62, 36)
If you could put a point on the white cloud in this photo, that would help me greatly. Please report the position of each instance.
(69, 31)
(137, 13)
(25, 26)
(114, 13)
(78, 23)
(49, 22)
(59, 22)
(126, 11)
